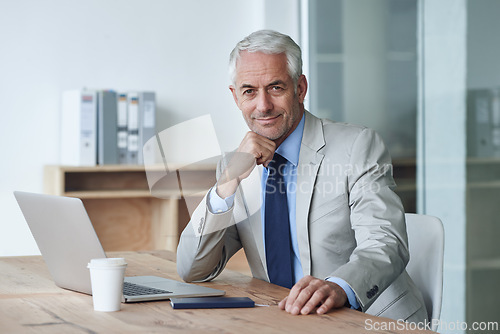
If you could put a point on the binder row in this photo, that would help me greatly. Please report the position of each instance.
(103, 127)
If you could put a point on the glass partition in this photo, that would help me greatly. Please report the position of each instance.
(483, 160)
(363, 70)
(425, 74)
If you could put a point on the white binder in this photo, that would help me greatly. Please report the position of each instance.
(79, 128)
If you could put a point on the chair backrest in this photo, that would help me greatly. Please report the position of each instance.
(426, 244)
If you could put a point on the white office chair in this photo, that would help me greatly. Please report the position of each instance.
(426, 243)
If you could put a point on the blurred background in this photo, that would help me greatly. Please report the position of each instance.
(425, 74)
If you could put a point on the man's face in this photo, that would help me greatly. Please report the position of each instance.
(265, 93)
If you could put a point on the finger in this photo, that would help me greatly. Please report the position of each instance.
(253, 139)
(327, 305)
(260, 147)
(282, 303)
(310, 296)
(312, 299)
(265, 159)
(337, 298)
(301, 300)
(266, 154)
(292, 296)
(295, 291)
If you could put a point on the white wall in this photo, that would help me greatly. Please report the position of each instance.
(177, 48)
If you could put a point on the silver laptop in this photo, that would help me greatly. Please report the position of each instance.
(67, 240)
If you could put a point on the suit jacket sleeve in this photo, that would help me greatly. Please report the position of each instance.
(207, 243)
(377, 219)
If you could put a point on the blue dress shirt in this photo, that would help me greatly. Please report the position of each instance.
(289, 149)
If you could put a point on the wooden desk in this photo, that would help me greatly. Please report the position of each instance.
(31, 303)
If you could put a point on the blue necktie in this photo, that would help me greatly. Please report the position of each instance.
(277, 227)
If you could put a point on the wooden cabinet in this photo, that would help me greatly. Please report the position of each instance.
(118, 200)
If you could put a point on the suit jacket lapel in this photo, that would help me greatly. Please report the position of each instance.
(307, 170)
(251, 189)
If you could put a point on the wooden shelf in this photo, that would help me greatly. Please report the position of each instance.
(108, 194)
(127, 194)
(125, 214)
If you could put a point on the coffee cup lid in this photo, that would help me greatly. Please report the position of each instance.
(107, 262)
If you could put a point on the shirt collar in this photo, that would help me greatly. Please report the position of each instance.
(290, 147)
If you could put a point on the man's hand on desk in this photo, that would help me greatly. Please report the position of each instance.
(310, 292)
(254, 150)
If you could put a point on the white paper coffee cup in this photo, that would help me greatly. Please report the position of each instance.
(106, 276)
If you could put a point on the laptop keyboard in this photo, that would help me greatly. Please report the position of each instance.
(131, 289)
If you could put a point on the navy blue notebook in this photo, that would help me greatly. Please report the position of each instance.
(211, 302)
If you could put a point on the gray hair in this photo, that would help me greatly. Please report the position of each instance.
(269, 42)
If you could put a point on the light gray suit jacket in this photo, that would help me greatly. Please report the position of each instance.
(350, 224)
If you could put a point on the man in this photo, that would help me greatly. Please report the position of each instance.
(327, 224)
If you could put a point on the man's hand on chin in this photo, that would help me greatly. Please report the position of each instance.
(310, 292)
(254, 150)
